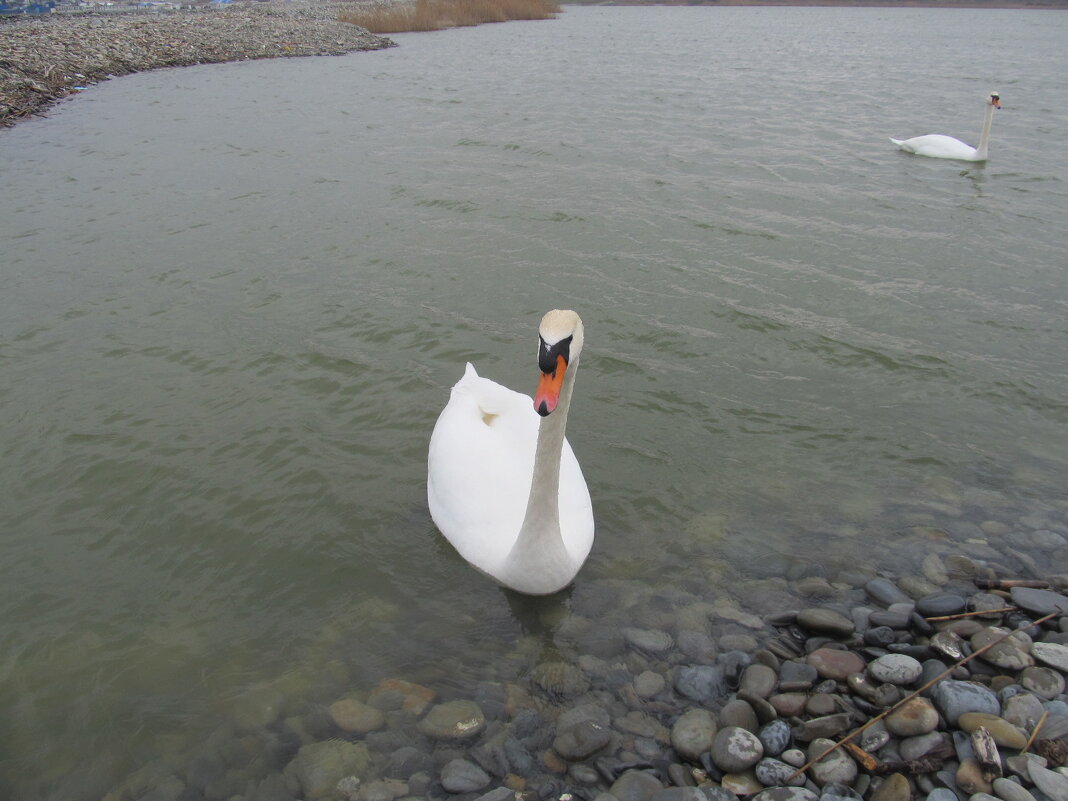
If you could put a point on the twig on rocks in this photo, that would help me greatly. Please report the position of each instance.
(962, 615)
(1035, 731)
(1007, 584)
(928, 763)
(914, 693)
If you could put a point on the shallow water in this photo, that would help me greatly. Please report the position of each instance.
(235, 297)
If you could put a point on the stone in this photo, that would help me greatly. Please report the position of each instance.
(635, 785)
(1003, 732)
(647, 640)
(772, 772)
(317, 768)
(1023, 710)
(915, 716)
(734, 749)
(461, 776)
(1041, 602)
(356, 717)
(561, 679)
(825, 621)
(912, 748)
(775, 737)
(786, 794)
(796, 676)
(885, 592)
(894, 787)
(1052, 654)
(954, 698)
(822, 727)
(1044, 682)
(738, 713)
(1008, 790)
(692, 734)
(582, 740)
(941, 604)
(1050, 782)
(831, 663)
(1011, 653)
(760, 680)
(705, 684)
(400, 694)
(789, 705)
(741, 784)
(897, 669)
(648, 684)
(453, 720)
(970, 778)
(835, 767)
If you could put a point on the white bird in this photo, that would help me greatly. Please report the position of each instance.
(940, 146)
(503, 484)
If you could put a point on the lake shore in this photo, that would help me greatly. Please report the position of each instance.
(47, 58)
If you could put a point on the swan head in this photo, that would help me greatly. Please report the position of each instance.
(559, 345)
(994, 99)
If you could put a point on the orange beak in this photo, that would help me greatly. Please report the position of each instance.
(996, 102)
(548, 394)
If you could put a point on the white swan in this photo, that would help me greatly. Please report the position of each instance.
(503, 485)
(940, 146)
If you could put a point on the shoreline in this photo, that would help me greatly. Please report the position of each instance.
(48, 58)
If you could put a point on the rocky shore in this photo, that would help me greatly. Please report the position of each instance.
(45, 58)
(945, 685)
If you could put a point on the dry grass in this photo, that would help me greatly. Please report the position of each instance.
(434, 15)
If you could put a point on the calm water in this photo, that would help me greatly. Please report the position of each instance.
(235, 297)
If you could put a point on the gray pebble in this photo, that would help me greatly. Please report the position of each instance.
(825, 621)
(1008, 790)
(648, 640)
(897, 669)
(734, 749)
(461, 776)
(760, 680)
(775, 773)
(1041, 602)
(692, 733)
(786, 794)
(775, 737)
(705, 684)
(954, 698)
(942, 603)
(885, 592)
(1051, 654)
(836, 767)
(635, 785)
(582, 740)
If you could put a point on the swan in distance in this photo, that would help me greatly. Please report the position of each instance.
(940, 146)
(503, 485)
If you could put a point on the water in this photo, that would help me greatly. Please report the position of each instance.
(235, 297)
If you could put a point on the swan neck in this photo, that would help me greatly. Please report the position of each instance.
(984, 137)
(540, 548)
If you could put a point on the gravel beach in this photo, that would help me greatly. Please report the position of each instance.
(45, 58)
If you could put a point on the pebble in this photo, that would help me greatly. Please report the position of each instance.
(649, 641)
(582, 740)
(735, 749)
(914, 717)
(894, 787)
(705, 684)
(954, 698)
(461, 776)
(836, 767)
(1053, 784)
(775, 737)
(786, 794)
(1003, 732)
(941, 604)
(825, 621)
(831, 663)
(356, 717)
(1008, 790)
(760, 680)
(1041, 602)
(885, 592)
(692, 733)
(1052, 654)
(1042, 681)
(453, 720)
(635, 785)
(772, 772)
(898, 669)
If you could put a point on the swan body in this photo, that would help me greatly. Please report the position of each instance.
(940, 146)
(503, 484)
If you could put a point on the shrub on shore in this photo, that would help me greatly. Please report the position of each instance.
(434, 15)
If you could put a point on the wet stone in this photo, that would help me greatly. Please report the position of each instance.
(825, 621)
(635, 785)
(1042, 681)
(1008, 790)
(1041, 602)
(760, 680)
(582, 740)
(893, 620)
(786, 794)
(1053, 784)
(940, 604)
(1023, 710)
(647, 640)
(1010, 653)
(1051, 654)
(880, 636)
(692, 734)
(1003, 732)
(734, 749)
(705, 684)
(897, 669)
(561, 679)
(738, 713)
(353, 716)
(318, 767)
(453, 720)
(796, 676)
(836, 767)
(885, 592)
(822, 727)
(774, 773)
(954, 698)
(742, 784)
(648, 684)
(894, 787)
(775, 737)
(461, 776)
(832, 663)
(912, 748)
(916, 716)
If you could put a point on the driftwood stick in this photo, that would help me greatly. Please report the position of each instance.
(1035, 731)
(1007, 584)
(962, 615)
(914, 693)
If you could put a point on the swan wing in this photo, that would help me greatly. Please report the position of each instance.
(480, 464)
(937, 146)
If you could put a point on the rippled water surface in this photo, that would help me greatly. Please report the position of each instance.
(234, 299)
